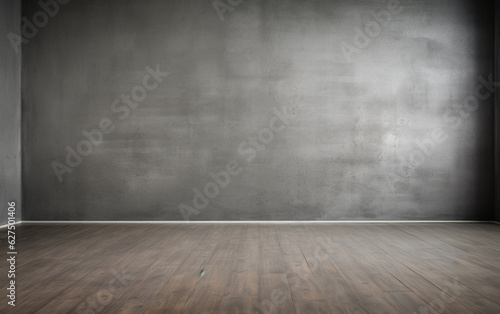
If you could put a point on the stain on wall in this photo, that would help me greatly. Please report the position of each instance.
(259, 110)
(10, 110)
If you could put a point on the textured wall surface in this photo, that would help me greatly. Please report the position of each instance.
(271, 110)
(10, 110)
(497, 113)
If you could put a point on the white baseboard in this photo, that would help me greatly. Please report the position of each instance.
(5, 226)
(41, 222)
(251, 222)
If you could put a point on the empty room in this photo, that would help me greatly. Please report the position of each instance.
(249, 156)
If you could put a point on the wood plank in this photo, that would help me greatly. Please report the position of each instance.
(258, 268)
(274, 295)
(390, 240)
(307, 297)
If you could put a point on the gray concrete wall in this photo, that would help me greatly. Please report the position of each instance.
(10, 110)
(497, 113)
(272, 110)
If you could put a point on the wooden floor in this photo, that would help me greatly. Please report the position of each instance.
(256, 268)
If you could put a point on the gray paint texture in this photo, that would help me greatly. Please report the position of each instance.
(497, 113)
(10, 111)
(384, 136)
